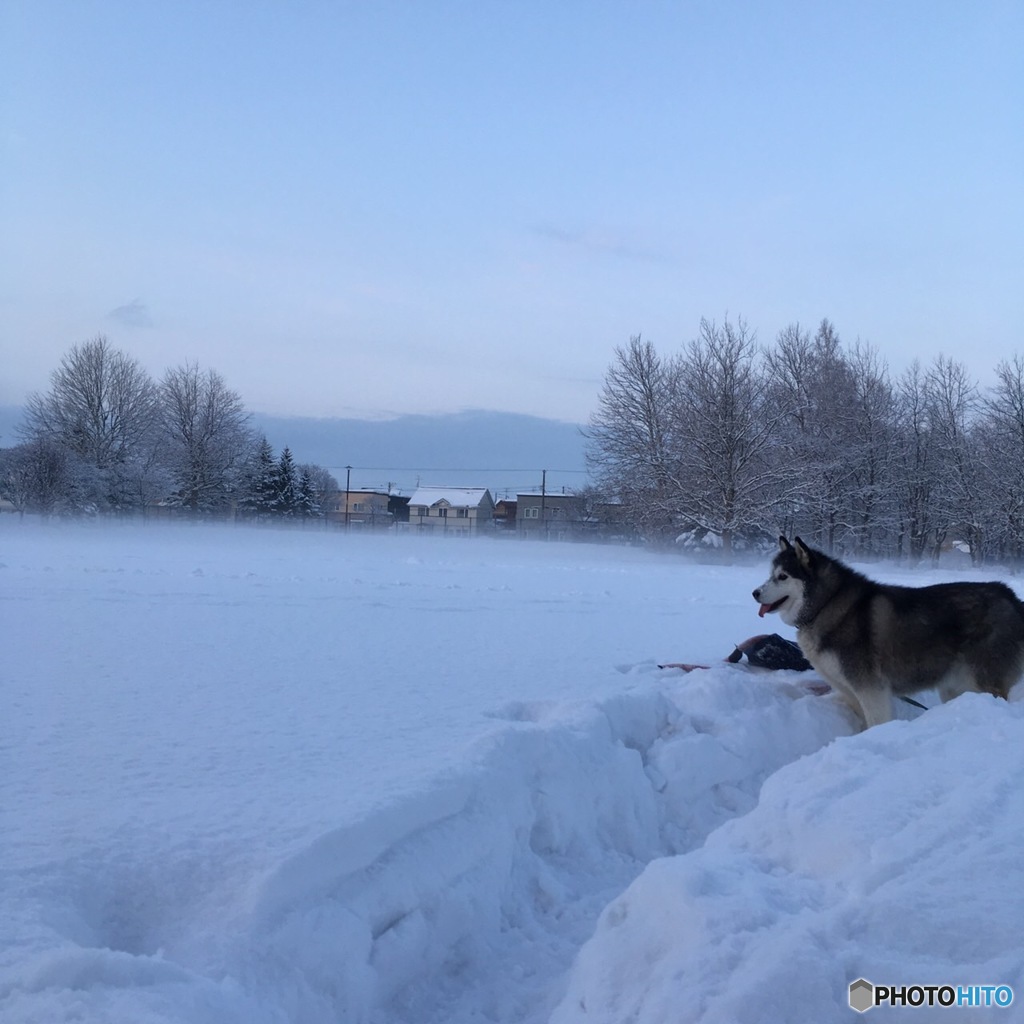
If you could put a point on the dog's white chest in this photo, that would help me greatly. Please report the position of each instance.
(825, 662)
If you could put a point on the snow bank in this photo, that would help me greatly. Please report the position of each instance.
(893, 855)
(561, 808)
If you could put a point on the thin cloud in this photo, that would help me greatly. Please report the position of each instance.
(605, 241)
(134, 315)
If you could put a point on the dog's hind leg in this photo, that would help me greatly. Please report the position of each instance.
(968, 678)
(950, 689)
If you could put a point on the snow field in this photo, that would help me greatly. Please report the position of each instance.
(273, 776)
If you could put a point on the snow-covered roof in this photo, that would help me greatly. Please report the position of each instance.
(464, 497)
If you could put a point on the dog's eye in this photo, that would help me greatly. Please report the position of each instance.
(782, 576)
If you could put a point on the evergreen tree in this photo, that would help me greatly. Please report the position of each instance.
(286, 489)
(261, 489)
(322, 485)
(308, 505)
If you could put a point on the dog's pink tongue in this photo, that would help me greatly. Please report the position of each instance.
(764, 608)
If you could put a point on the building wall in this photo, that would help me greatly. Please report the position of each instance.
(553, 516)
(452, 519)
(365, 508)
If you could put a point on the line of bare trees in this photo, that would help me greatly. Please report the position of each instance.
(730, 440)
(106, 437)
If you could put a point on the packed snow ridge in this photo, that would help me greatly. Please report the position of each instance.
(270, 777)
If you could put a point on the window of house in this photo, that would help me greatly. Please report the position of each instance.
(532, 513)
(462, 513)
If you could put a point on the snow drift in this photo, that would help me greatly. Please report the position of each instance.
(893, 855)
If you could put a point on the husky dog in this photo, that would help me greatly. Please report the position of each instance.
(872, 641)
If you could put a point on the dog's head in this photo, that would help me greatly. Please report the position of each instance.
(785, 588)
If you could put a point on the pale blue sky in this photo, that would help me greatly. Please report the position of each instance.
(383, 207)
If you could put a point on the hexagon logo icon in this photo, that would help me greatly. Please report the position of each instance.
(862, 995)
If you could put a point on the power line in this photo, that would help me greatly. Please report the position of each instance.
(450, 469)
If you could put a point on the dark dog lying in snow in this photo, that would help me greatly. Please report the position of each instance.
(768, 650)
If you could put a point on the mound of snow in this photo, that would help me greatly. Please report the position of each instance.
(892, 855)
(509, 862)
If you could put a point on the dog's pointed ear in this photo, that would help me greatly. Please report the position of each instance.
(784, 544)
(803, 553)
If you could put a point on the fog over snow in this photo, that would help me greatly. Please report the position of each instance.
(266, 775)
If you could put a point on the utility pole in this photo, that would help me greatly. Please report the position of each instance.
(543, 501)
(348, 483)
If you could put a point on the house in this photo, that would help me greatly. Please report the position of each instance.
(549, 516)
(505, 515)
(398, 506)
(359, 509)
(451, 511)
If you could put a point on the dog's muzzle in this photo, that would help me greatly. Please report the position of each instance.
(765, 609)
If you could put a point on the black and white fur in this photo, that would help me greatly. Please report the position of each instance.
(871, 641)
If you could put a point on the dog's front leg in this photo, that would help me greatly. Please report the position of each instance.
(875, 706)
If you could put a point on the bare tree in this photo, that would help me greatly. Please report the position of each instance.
(1000, 454)
(726, 432)
(870, 453)
(207, 437)
(812, 379)
(629, 443)
(953, 401)
(35, 476)
(102, 409)
(914, 479)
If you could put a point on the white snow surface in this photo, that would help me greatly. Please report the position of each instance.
(263, 775)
